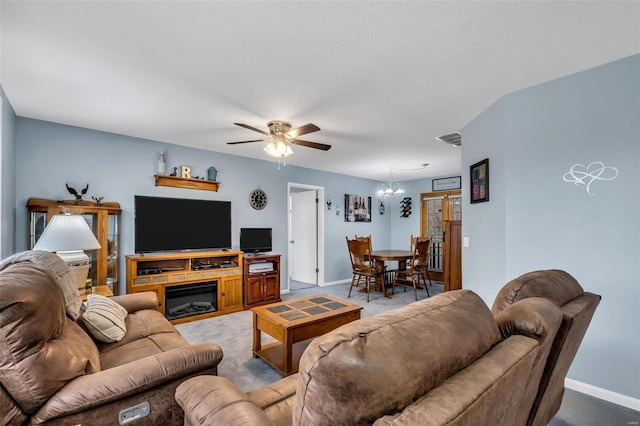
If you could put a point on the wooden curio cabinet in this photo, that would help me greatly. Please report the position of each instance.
(104, 221)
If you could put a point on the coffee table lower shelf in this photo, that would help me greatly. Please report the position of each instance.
(272, 354)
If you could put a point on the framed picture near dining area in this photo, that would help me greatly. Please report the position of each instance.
(479, 173)
(357, 208)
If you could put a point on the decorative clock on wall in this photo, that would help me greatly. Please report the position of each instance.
(258, 199)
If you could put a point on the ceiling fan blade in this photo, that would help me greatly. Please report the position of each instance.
(246, 126)
(315, 145)
(235, 143)
(303, 130)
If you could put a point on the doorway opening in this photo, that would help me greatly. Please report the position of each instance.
(305, 252)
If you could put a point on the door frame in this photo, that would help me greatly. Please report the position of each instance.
(320, 231)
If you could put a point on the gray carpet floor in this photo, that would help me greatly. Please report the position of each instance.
(233, 332)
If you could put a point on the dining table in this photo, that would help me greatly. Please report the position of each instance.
(382, 256)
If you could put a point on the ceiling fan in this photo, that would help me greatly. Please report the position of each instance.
(281, 136)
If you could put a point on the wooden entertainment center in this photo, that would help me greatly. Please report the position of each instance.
(169, 271)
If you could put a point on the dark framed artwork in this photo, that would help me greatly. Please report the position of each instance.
(479, 174)
(357, 208)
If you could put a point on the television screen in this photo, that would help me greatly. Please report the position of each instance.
(255, 240)
(166, 224)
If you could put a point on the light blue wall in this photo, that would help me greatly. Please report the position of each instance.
(536, 220)
(7, 178)
(118, 167)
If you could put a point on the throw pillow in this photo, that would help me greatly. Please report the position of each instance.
(104, 319)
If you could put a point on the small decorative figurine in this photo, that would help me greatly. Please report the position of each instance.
(98, 200)
(75, 193)
(185, 172)
(175, 172)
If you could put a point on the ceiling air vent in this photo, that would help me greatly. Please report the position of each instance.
(454, 138)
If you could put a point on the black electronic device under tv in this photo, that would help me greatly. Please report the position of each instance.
(170, 224)
(255, 240)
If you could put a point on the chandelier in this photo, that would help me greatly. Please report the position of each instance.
(391, 188)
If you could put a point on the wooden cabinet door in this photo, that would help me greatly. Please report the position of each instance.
(271, 287)
(230, 293)
(253, 289)
(452, 255)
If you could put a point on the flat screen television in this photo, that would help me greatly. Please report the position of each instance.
(171, 224)
(255, 240)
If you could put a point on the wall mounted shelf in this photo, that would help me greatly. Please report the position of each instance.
(189, 183)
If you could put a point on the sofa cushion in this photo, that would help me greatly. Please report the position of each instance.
(148, 333)
(104, 319)
(377, 366)
(41, 350)
(488, 392)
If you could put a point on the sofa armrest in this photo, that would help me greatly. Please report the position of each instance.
(93, 390)
(535, 317)
(210, 400)
(137, 301)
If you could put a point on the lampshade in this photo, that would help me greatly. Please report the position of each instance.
(67, 232)
(68, 235)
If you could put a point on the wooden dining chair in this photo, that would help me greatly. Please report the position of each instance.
(411, 276)
(422, 263)
(363, 267)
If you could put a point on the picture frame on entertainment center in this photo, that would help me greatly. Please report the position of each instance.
(357, 208)
(479, 176)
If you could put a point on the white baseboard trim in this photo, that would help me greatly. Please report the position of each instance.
(327, 284)
(604, 394)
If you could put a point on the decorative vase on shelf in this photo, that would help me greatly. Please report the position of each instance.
(212, 173)
(162, 165)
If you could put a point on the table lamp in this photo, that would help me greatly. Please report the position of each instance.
(68, 236)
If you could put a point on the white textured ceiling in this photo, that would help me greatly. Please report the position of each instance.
(381, 79)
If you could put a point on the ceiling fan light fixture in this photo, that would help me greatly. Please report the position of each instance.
(278, 149)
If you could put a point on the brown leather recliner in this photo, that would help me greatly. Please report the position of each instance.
(443, 360)
(577, 308)
(52, 371)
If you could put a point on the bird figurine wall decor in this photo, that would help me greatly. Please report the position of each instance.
(72, 191)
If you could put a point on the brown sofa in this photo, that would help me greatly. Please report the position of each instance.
(443, 360)
(53, 371)
(577, 307)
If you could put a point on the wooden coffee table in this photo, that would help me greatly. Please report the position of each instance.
(293, 324)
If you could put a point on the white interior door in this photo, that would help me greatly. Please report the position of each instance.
(303, 243)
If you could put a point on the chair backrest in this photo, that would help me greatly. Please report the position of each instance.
(43, 349)
(359, 253)
(577, 306)
(420, 248)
